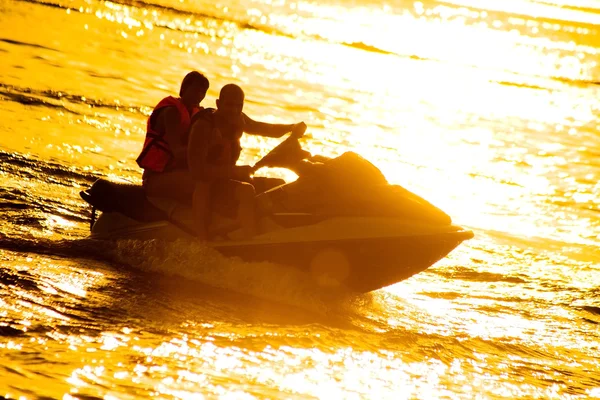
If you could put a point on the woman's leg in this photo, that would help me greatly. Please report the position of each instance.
(177, 185)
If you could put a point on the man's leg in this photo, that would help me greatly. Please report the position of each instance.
(180, 186)
(201, 201)
(245, 195)
(234, 199)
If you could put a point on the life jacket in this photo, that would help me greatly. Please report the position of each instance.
(156, 154)
(225, 147)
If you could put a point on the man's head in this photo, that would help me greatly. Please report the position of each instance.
(231, 101)
(193, 89)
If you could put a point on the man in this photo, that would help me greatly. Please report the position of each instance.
(165, 153)
(213, 151)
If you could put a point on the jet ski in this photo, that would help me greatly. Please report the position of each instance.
(341, 221)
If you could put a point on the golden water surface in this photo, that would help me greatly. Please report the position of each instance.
(489, 109)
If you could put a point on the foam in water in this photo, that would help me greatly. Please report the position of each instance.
(201, 263)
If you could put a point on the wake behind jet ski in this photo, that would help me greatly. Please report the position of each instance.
(340, 221)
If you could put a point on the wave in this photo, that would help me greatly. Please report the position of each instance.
(48, 98)
(178, 11)
(367, 47)
(18, 43)
(80, 248)
(572, 7)
(197, 14)
(200, 263)
(478, 276)
(271, 30)
(591, 309)
(173, 10)
(30, 167)
(576, 82)
(242, 24)
(521, 85)
(46, 3)
(583, 83)
(33, 101)
(24, 208)
(493, 13)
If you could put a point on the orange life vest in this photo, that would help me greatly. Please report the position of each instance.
(156, 154)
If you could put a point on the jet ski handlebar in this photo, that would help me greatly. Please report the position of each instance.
(285, 155)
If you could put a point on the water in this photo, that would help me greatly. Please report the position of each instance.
(489, 109)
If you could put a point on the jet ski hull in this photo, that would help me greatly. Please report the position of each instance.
(362, 254)
(362, 265)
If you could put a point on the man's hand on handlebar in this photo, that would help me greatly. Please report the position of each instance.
(298, 130)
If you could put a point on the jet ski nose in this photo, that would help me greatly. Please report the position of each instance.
(86, 195)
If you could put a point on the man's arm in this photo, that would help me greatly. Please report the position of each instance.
(170, 121)
(197, 155)
(271, 130)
